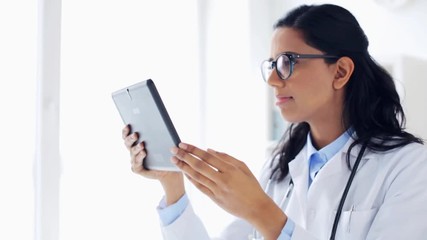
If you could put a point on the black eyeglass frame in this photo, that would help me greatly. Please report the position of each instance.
(292, 60)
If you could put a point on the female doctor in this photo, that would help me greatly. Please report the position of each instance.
(345, 168)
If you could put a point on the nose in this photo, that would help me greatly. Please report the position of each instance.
(274, 80)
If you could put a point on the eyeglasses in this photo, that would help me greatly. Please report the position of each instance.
(284, 64)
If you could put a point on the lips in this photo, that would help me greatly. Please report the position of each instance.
(283, 99)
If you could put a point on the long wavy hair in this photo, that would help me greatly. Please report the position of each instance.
(372, 105)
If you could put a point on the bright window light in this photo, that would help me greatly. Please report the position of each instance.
(17, 121)
(107, 45)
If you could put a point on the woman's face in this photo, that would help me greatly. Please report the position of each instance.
(308, 94)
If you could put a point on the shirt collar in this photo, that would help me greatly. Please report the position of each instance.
(331, 149)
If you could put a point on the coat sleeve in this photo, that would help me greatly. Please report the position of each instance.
(188, 226)
(302, 234)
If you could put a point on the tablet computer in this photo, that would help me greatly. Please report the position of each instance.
(141, 107)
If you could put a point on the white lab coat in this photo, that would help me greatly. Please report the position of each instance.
(387, 200)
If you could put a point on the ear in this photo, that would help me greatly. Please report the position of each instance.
(343, 71)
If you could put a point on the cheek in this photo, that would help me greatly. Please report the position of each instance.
(309, 100)
(314, 94)
(314, 86)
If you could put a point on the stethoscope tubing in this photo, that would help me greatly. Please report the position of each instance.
(346, 190)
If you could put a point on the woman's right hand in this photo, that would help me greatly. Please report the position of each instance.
(172, 182)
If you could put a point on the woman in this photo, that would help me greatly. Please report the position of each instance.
(345, 168)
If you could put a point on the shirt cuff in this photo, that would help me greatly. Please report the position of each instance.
(287, 230)
(168, 214)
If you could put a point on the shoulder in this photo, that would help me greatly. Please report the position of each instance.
(409, 161)
(414, 151)
(405, 175)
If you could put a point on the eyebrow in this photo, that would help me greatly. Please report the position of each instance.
(281, 53)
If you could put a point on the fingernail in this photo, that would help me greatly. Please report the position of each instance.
(174, 150)
(183, 146)
(174, 160)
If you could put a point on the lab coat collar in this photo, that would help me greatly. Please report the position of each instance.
(338, 163)
(299, 168)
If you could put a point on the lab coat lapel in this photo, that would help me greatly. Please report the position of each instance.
(327, 188)
(298, 168)
(338, 163)
(332, 178)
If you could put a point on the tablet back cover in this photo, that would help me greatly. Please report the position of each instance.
(140, 106)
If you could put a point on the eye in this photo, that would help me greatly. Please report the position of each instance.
(284, 61)
(270, 65)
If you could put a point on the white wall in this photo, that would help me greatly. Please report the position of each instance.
(389, 31)
(414, 71)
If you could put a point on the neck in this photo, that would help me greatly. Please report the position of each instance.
(321, 136)
(326, 129)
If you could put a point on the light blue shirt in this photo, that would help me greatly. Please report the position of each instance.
(168, 214)
(317, 160)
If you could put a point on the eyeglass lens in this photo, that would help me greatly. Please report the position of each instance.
(282, 65)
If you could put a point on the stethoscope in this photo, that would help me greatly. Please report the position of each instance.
(283, 204)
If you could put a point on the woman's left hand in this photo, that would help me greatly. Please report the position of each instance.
(228, 182)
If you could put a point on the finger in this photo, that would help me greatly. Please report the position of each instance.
(197, 163)
(193, 173)
(130, 140)
(137, 148)
(208, 157)
(223, 156)
(200, 186)
(230, 160)
(125, 131)
(137, 162)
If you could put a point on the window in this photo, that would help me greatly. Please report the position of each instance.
(17, 122)
(107, 45)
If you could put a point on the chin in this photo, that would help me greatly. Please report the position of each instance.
(291, 118)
